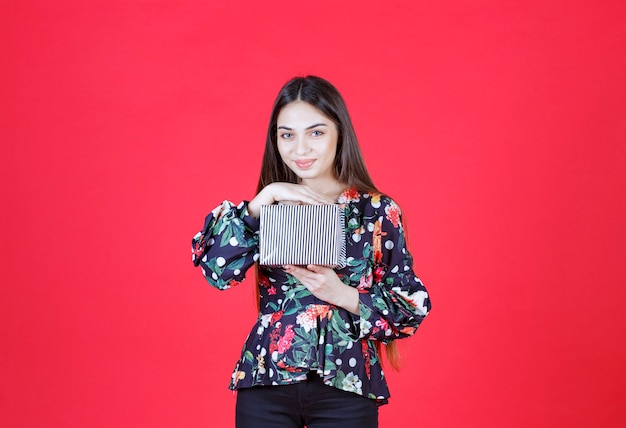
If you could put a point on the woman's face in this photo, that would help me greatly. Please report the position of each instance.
(307, 141)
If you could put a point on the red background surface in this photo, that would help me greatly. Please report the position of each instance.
(498, 126)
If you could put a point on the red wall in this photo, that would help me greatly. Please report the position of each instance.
(498, 126)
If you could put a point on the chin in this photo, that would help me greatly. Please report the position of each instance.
(305, 175)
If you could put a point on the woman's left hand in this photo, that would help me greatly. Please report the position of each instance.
(324, 284)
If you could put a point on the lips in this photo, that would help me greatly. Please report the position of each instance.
(304, 163)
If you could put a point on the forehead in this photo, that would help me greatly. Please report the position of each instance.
(301, 113)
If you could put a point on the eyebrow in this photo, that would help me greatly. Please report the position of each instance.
(306, 129)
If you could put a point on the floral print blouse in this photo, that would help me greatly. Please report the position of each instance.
(296, 332)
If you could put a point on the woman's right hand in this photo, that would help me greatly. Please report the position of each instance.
(285, 192)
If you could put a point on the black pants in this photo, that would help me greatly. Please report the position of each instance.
(310, 403)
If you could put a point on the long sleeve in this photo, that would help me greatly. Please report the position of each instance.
(393, 302)
(227, 245)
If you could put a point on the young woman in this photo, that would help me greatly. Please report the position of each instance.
(312, 357)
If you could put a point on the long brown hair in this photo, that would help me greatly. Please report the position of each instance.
(349, 166)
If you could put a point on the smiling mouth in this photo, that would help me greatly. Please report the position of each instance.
(304, 164)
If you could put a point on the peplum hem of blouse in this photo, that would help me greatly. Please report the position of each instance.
(284, 346)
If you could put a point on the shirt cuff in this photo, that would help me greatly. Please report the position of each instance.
(252, 223)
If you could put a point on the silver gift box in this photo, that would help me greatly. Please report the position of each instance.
(302, 235)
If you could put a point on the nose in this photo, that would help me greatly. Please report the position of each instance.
(302, 146)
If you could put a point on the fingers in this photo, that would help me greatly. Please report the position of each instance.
(288, 192)
(321, 281)
(315, 197)
(306, 276)
(292, 269)
(311, 276)
(317, 268)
